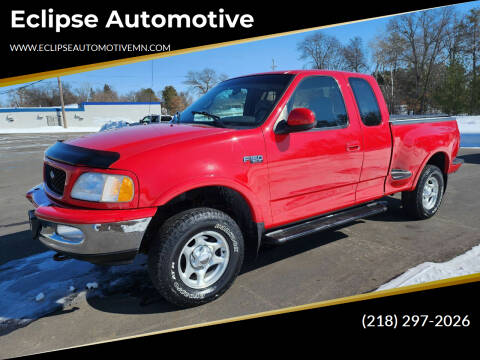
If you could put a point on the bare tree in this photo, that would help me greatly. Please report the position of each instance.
(202, 81)
(386, 52)
(83, 92)
(354, 55)
(107, 94)
(321, 51)
(42, 95)
(472, 50)
(424, 39)
(129, 96)
(145, 95)
(456, 42)
(186, 98)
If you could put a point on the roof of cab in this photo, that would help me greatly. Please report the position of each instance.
(307, 72)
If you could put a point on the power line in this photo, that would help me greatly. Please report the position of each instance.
(20, 87)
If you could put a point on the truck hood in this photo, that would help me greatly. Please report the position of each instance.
(137, 139)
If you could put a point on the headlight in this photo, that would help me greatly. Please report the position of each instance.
(103, 188)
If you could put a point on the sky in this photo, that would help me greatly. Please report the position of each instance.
(234, 60)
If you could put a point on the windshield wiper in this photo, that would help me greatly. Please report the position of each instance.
(216, 119)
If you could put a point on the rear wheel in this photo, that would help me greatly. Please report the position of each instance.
(424, 201)
(196, 256)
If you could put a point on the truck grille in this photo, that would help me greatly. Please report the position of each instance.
(54, 178)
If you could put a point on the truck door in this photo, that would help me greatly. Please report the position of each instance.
(315, 171)
(372, 114)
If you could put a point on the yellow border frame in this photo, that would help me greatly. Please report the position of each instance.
(344, 300)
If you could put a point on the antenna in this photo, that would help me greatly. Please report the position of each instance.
(62, 103)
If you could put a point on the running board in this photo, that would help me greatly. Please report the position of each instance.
(326, 222)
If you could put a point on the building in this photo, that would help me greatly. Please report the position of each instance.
(88, 115)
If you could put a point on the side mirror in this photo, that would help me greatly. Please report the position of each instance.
(299, 119)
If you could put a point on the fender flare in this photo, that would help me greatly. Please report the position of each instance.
(192, 184)
(425, 162)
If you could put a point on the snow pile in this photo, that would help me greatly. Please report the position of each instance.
(469, 127)
(91, 285)
(49, 129)
(468, 124)
(112, 125)
(38, 285)
(465, 264)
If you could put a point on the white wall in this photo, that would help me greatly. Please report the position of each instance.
(86, 115)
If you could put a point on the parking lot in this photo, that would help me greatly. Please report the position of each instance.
(347, 261)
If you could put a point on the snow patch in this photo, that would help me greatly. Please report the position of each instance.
(91, 285)
(465, 264)
(37, 285)
(112, 125)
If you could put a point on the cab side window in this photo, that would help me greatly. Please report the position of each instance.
(366, 102)
(322, 95)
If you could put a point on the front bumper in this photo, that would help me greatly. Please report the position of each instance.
(97, 236)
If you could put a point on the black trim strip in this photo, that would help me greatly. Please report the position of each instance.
(76, 155)
(116, 258)
(457, 161)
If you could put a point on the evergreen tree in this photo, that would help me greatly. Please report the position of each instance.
(451, 95)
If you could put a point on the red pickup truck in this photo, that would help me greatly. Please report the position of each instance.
(262, 158)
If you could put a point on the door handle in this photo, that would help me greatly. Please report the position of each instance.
(353, 147)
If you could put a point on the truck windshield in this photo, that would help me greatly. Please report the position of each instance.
(243, 102)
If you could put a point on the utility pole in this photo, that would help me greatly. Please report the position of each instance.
(62, 103)
(273, 67)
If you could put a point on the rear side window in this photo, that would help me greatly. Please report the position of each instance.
(321, 95)
(366, 101)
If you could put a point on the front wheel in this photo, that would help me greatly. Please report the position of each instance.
(196, 256)
(424, 201)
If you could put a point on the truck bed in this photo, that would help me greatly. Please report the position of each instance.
(414, 138)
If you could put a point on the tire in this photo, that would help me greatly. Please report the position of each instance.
(182, 257)
(424, 201)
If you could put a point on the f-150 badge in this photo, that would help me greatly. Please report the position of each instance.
(253, 159)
